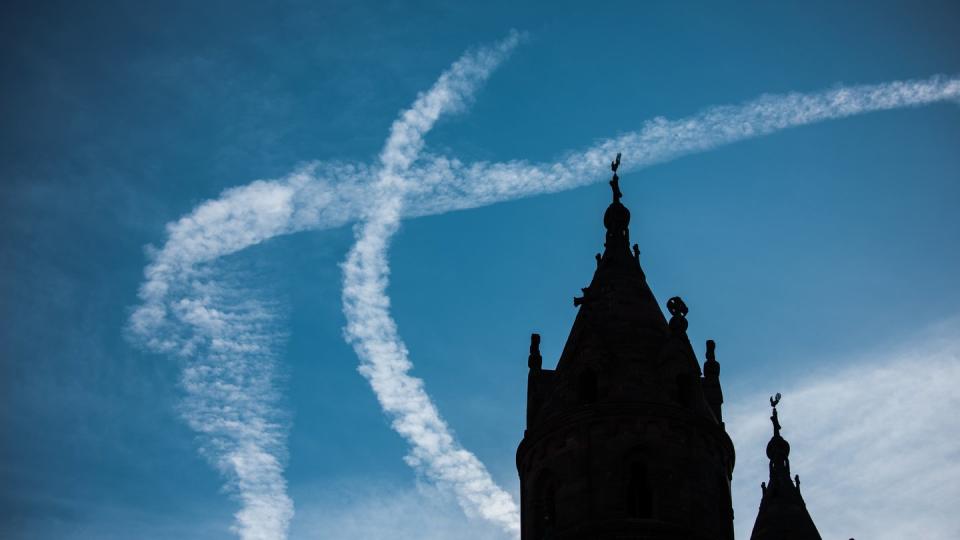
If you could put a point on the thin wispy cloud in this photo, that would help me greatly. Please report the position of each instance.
(229, 372)
(448, 184)
(227, 340)
(369, 509)
(874, 442)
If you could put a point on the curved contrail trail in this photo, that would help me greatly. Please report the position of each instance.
(371, 329)
(226, 339)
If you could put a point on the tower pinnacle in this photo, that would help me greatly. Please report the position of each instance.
(783, 513)
(617, 218)
(711, 381)
(605, 454)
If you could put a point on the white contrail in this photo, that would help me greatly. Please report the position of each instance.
(325, 195)
(448, 184)
(373, 332)
(227, 341)
(227, 350)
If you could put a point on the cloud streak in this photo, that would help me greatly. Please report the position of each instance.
(448, 184)
(369, 509)
(227, 339)
(874, 442)
(373, 332)
(323, 195)
(227, 348)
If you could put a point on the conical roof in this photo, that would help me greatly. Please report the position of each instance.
(621, 349)
(783, 514)
(618, 304)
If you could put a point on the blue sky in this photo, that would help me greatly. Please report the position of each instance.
(821, 258)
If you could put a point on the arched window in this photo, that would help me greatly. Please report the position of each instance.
(588, 386)
(544, 507)
(639, 492)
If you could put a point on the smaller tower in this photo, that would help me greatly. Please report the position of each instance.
(783, 514)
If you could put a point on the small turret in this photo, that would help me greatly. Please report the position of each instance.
(539, 380)
(783, 514)
(535, 361)
(711, 382)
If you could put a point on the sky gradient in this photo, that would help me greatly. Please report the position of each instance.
(821, 259)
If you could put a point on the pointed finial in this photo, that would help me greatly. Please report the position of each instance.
(636, 252)
(598, 257)
(711, 371)
(678, 311)
(774, 401)
(534, 361)
(617, 218)
(677, 307)
(778, 449)
(615, 181)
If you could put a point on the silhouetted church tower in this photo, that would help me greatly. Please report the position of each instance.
(625, 437)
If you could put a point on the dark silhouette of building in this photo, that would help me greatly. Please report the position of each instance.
(625, 438)
(783, 514)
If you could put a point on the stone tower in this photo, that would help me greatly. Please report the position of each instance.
(624, 438)
(783, 514)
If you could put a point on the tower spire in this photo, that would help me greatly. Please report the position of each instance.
(783, 514)
(618, 301)
(604, 453)
(617, 218)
